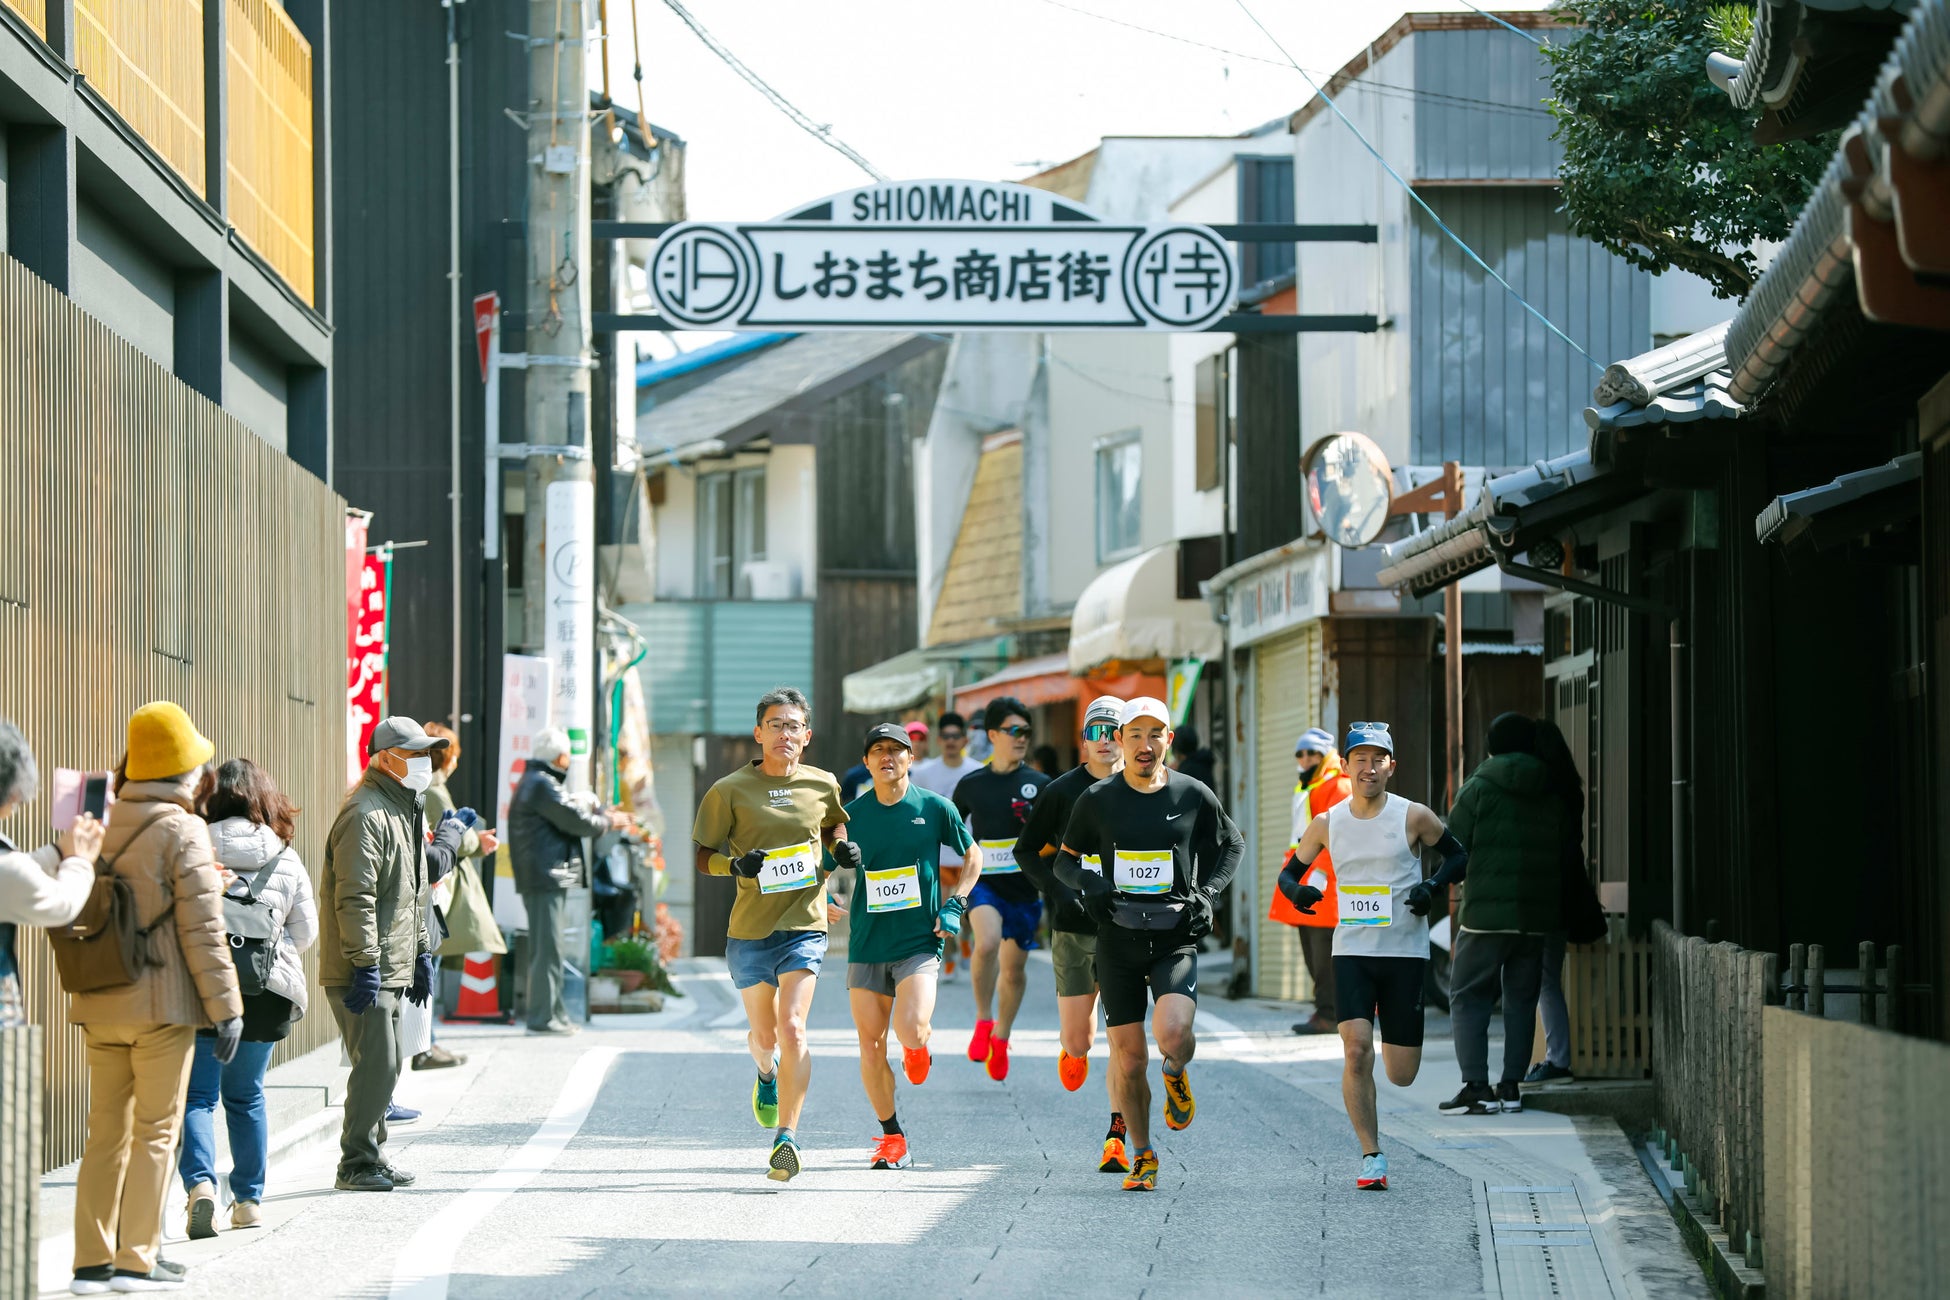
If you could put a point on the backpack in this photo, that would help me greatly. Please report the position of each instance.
(252, 930)
(104, 947)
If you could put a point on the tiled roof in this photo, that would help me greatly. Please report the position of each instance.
(984, 578)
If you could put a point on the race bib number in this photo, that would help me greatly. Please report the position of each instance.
(1142, 872)
(1367, 904)
(898, 889)
(1092, 863)
(999, 858)
(796, 867)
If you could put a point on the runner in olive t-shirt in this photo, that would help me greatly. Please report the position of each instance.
(898, 921)
(766, 824)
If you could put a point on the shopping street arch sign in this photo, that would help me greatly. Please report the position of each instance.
(947, 255)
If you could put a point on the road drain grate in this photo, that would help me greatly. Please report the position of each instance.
(1543, 1246)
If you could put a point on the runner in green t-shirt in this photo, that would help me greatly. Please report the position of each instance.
(899, 919)
(767, 824)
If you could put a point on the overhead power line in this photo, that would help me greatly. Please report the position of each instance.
(823, 134)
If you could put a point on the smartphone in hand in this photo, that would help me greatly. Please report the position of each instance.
(78, 792)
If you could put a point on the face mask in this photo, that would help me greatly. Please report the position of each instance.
(419, 775)
(1307, 774)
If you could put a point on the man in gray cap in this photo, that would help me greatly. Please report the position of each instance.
(373, 946)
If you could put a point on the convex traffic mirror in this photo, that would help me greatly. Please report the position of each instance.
(1348, 485)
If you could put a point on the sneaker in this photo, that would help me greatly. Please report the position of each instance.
(397, 1177)
(765, 1098)
(1113, 1160)
(246, 1214)
(998, 1059)
(369, 1179)
(1317, 1024)
(1180, 1108)
(163, 1277)
(1144, 1172)
(552, 1030)
(1073, 1070)
(1545, 1072)
(978, 1046)
(785, 1161)
(916, 1062)
(438, 1058)
(398, 1114)
(1474, 1099)
(96, 1279)
(1509, 1096)
(202, 1213)
(890, 1152)
(948, 965)
(1374, 1174)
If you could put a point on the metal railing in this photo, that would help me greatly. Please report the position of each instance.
(152, 547)
(147, 61)
(269, 153)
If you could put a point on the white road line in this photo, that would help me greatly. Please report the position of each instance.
(422, 1268)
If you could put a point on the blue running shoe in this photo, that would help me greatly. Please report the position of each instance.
(1374, 1174)
(784, 1165)
(398, 1114)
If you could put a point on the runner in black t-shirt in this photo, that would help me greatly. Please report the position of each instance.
(1166, 850)
(1073, 935)
(1003, 909)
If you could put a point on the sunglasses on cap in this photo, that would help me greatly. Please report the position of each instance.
(1100, 731)
(1021, 731)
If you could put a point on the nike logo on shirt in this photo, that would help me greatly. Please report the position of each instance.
(1172, 817)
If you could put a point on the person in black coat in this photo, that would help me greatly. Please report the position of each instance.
(546, 829)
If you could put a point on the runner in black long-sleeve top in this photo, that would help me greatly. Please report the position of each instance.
(1165, 851)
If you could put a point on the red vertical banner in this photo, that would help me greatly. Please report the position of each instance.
(365, 684)
(355, 565)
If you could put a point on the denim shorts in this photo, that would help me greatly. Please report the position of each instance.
(762, 961)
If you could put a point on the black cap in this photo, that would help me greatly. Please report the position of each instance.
(888, 731)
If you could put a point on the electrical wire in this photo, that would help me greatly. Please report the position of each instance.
(823, 134)
(1529, 38)
(1409, 190)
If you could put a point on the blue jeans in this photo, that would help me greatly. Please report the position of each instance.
(241, 1087)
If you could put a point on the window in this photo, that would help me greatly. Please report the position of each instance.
(1266, 196)
(1120, 462)
(1211, 419)
(730, 531)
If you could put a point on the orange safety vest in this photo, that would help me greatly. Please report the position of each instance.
(1330, 786)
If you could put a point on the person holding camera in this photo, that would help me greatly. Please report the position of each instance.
(45, 887)
(141, 1035)
(271, 918)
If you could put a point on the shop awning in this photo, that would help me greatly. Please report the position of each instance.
(1131, 612)
(904, 682)
(1849, 507)
(1047, 679)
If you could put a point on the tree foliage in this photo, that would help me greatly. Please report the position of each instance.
(1659, 167)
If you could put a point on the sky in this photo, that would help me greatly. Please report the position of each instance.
(978, 89)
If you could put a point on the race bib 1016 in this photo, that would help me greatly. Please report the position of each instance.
(794, 867)
(1367, 904)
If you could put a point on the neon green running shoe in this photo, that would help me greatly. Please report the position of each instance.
(765, 1100)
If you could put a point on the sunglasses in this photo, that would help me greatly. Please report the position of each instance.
(1100, 731)
(1019, 731)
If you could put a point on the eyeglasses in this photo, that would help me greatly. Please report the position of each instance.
(778, 728)
(1100, 731)
(954, 735)
(1020, 731)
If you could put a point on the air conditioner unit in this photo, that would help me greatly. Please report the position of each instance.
(771, 580)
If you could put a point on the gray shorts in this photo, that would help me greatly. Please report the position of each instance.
(1075, 959)
(883, 977)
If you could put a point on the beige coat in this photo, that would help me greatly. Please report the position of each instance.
(170, 858)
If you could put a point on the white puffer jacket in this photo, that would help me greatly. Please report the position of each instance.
(244, 847)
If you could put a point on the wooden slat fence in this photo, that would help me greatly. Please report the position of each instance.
(146, 59)
(152, 547)
(269, 149)
(1606, 992)
(33, 11)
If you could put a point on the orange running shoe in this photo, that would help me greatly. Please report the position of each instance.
(1144, 1172)
(1180, 1108)
(1114, 1161)
(1073, 1070)
(998, 1059)
(978, 1046)
(916, 1061)
(890, 1152)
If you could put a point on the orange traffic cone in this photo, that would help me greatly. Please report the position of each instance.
(479, 998)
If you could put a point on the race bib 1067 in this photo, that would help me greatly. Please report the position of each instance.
(897, 889)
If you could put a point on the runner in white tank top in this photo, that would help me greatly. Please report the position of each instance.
(1381, 940)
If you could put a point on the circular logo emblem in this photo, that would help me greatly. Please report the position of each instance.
(1028, 790)
(1180, 276)
(701, 275)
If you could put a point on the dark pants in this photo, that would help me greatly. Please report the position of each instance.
(545, 908)
(1479, 962)
(1317, 948)
(372, 1040)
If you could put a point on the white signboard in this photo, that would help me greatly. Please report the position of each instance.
(525, 699)
(570, 620)
(943, 255)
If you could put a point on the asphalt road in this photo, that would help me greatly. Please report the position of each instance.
(625, 1161)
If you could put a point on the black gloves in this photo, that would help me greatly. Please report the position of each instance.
(948, 920)
(1099, 899)
(364, 991)
(422, 980)
(1301, 896)
(847, 854)
(1421, 897)
(749, 865)
(1201, 913)
(229, 1033)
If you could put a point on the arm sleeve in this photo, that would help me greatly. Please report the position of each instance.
(1221, 845)
(1079, 837)
(444, 852)
(1455, 860)
(36, 892)
(1029, 845)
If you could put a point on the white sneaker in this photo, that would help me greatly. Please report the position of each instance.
(246, 1214)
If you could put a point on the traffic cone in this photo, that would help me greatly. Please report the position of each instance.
(478, 998)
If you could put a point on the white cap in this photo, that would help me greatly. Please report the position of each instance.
(1144, 706)
(1105, 708)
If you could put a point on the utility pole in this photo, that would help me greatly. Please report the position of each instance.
(559, 560)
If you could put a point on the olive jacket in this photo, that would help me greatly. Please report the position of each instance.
(373, 888)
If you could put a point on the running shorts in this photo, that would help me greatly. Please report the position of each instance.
(883, 977)
(761, 961)
(1388, 989)
(1075, 959)
(1019, 920)
(1132, 962)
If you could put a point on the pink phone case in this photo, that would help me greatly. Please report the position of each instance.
(68, 787)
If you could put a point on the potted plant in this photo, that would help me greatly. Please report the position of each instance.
(632, 962)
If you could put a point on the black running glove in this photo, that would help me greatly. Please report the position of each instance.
(1303, 897)
(847, 854)
(748, 865)
(1201, 913)
(1099, 899)
(1421, 898)
(422, 989)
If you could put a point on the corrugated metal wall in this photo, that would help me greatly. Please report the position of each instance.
(710, 660)
(152, 547)
(1480, 114)
(1492, 386)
